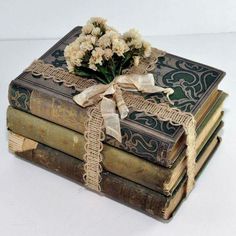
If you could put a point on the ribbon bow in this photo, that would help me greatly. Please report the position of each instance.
(111, 98)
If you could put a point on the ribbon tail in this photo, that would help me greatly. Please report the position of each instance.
(90, 95)
(111, 118)
(168, 92)
(142, 83)
(123, 109)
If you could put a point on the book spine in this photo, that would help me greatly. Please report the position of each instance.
(117, 188)
(65, 112)
(72, 143)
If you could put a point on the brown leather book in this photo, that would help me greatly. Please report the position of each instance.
(195, 87)
(113, 186)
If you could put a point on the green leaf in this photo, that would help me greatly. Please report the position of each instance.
(106, 73)
(89, 73)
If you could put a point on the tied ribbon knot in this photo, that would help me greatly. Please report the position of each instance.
(110, 96)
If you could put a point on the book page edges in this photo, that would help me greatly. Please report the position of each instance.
(18, 143)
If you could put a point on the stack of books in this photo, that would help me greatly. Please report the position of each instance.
(147, 171)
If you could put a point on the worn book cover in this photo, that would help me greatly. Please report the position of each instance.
(155, 177)
(113, 186)
(195, 89)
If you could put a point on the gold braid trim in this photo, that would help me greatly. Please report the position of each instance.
(59, 75)
(146, 64)
(94, 134)
(176, 117)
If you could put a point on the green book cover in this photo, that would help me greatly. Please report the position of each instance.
(142, 135)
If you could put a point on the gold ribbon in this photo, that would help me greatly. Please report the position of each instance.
(110, 96)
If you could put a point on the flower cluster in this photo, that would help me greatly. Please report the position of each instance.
(102, 53)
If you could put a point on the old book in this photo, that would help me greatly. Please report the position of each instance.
(116, 161)
(195, 87)
(113, 186)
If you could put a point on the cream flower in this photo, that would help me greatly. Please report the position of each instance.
(136, 60)
(109, 28)
(98, 43)
(108, 53)
(97, 21)
(92, 64)
(93, 39)
(83, 38)
(86, 46)
(80, 54)
(78, 61)
(97, 55)
(90, 38)
(96, 31)
(147, 49)
(67, 51)
(113, 35)
(70, 67)
(119, 47)
(133, 39)
(131, 34)
(69, 54)
(136, 43)
(104, 41)
(80, 39)
(73, 57)
(88, 28)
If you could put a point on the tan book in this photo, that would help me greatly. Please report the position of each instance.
(113, 186)
(116, 161)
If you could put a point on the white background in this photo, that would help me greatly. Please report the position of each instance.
(34, 202)
(45, 18)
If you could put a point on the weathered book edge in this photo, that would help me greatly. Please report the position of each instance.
(115, 187)
(72, 143)
(45, 105)
(163, 145)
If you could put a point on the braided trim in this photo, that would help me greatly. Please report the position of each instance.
(94, 136)
(146, 64)
(176, 117)
(59, 75)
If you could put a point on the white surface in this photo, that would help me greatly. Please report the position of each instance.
(53, 18)
(36, 202)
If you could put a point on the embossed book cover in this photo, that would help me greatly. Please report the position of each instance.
(195, 90)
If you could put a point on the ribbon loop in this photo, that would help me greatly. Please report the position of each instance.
(101, 92)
